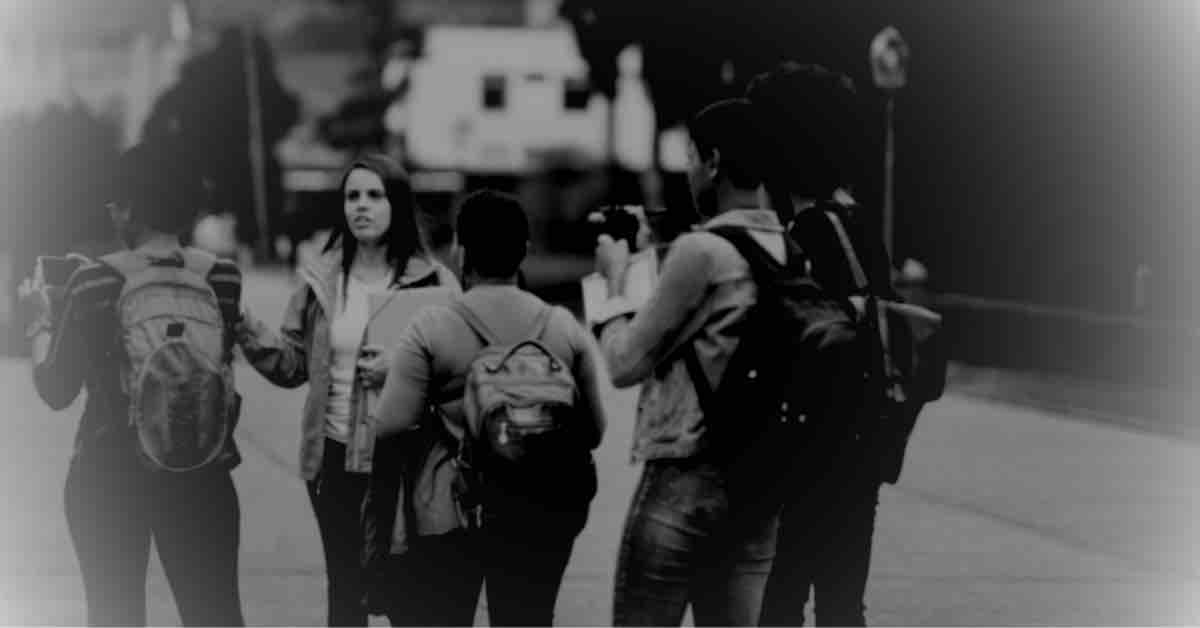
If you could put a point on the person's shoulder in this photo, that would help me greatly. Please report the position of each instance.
(92, 287)
(561, 317)
(93, 278)
(566, 323)
(433, 322)
(695, 245)
(446, 277)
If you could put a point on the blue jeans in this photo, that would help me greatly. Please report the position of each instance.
(684, 545)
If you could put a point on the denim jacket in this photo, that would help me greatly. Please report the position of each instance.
(301, 352)
(704, 292)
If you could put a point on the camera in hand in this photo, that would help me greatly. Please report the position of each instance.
(620, 222)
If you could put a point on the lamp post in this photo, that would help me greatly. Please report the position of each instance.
(889, 66)
(257, 148)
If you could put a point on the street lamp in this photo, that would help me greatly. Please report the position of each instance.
(889, 65)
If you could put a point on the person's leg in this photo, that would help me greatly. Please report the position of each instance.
(197, 530)
(667, 530)
(529, 533)
(524, 568)
(110, 531)
(729, 590)
(437, 582)
(840, 581)
(337, 501)
(792, 574)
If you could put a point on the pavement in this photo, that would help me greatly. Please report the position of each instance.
(1005, 515)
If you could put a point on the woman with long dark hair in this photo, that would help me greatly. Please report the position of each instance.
(375, 247)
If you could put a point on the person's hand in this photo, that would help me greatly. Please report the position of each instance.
(612, 261)
(38, 300)
(373, 364)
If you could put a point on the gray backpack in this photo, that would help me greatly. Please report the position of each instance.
(178, 376)
(519, 397)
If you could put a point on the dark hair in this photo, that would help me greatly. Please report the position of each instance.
(494, 233)
(163, 193)
(812, 128)
(402, 238)
(727, 126)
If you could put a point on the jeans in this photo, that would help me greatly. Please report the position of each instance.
(824, 542)
(683, 544)
(527, 541)
(337, 498)
(114, 507)
(436, 582)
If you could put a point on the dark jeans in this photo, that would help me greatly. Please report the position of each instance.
(527, 541)
(114, 507)
(337, 499)
(683, 544)
(824, 542)
(436, 582)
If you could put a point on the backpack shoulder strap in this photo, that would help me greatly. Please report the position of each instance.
(761, 263)
(476, 324)
(126, 262)
(860, 277)
(875, 309)
(541, 322)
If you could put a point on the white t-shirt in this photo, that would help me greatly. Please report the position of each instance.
(346, 332)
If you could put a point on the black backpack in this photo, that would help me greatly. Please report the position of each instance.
(797, 361)
(905, 362)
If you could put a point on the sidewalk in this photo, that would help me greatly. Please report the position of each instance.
(1164, 411)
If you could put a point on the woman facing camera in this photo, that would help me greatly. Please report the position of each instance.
(375, 248)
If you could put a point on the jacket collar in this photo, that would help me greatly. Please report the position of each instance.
(756, 219)
(321, 274)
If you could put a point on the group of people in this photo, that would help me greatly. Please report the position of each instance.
(462, 455)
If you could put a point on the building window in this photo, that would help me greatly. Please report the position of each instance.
(494, 97)
(576, 94)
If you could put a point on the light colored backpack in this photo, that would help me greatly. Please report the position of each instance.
(178, 376)
(519, 398)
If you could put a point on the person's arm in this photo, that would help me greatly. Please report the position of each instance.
(226, 281)
(633, 348)
(281, 358)
(405, 391)
(587, 380)
(60, 357)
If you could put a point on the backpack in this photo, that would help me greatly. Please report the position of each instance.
(518, 398)
(795, 358)
(906, 363)
(178, 374)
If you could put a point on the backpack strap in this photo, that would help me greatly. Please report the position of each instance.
(126, 262)
(489, 337)
(540, 323)
(762, 266)
(860, 277)
(129, 262)
(875, 308)
(476, 324)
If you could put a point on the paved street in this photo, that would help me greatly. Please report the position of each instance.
(1005, 515)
